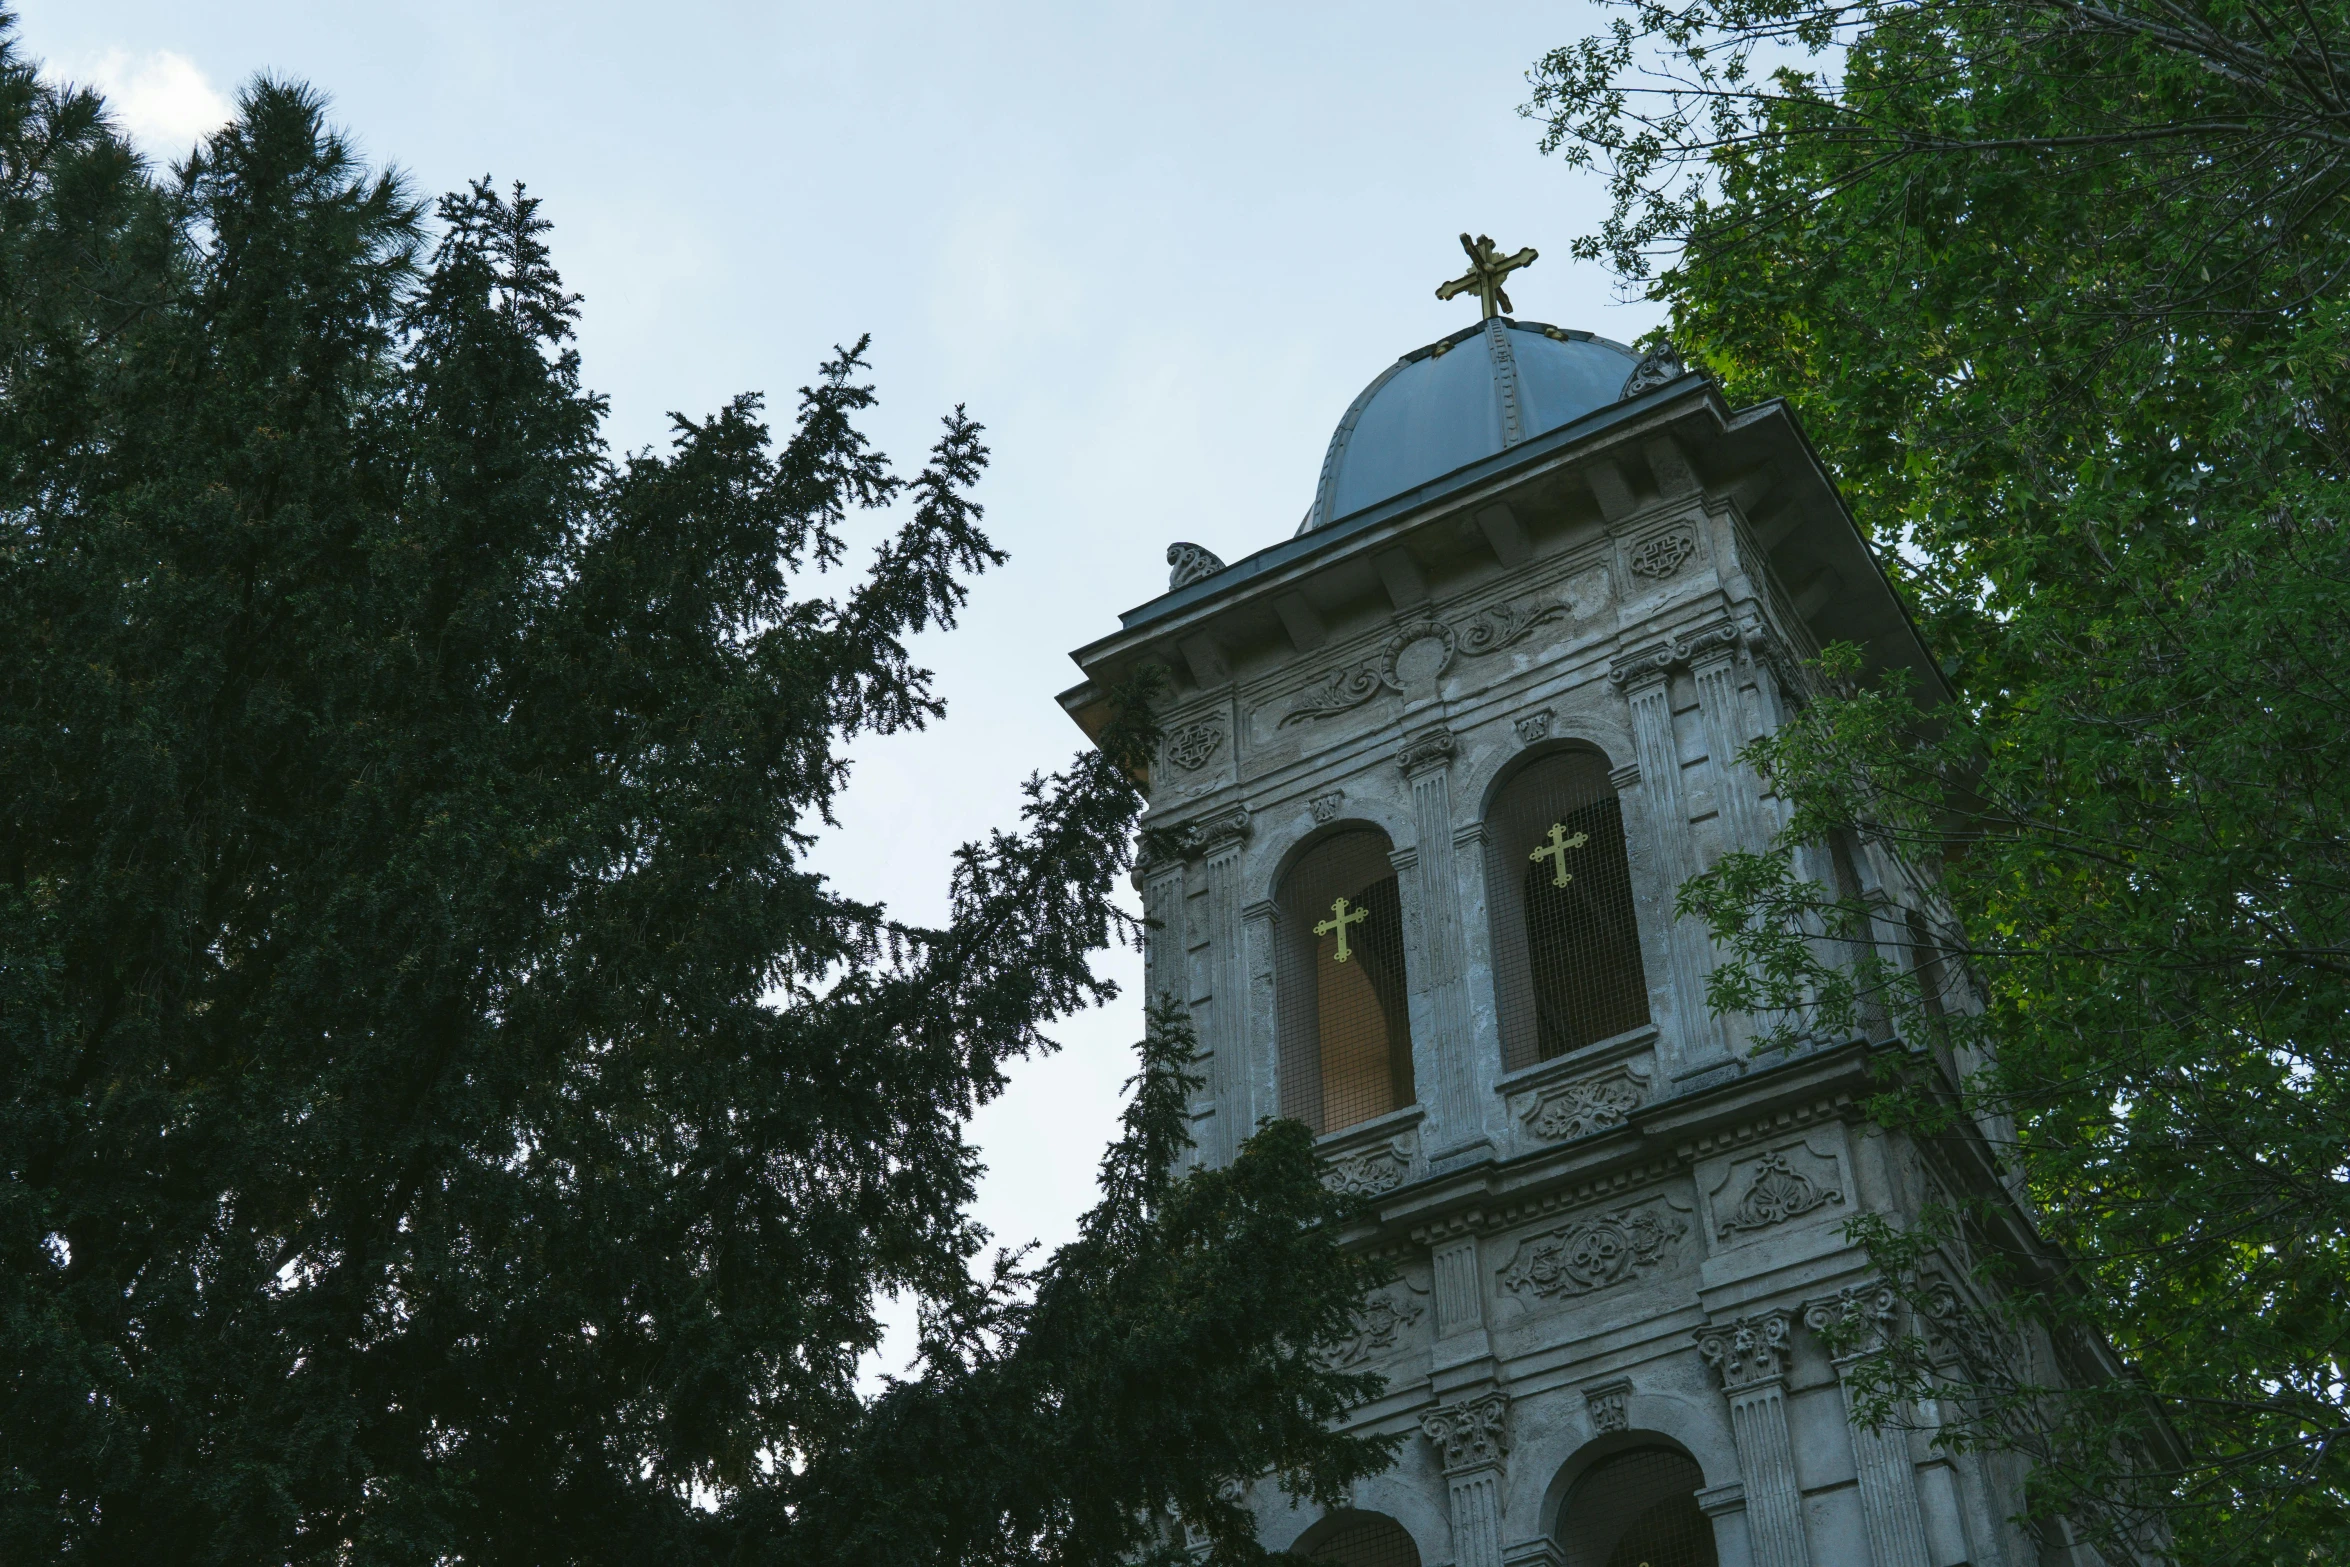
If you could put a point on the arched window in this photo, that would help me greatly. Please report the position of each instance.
(1359, 1540)
(1638, 1507)
(1346, 1035)
(1566, 944)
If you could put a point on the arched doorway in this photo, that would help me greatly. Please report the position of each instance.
(1637, 1509)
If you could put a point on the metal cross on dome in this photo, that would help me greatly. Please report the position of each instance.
(1486, 270)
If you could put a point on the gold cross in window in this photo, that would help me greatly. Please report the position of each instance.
(1557, 849)
(1340, 917)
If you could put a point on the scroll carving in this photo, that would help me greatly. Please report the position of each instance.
(1475, 635)
(1580, 1108)
(1775, 1193)
(1592, 1254)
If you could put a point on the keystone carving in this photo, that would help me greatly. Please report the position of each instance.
(1533, 726)
(1605, 1405)
(1325, 806)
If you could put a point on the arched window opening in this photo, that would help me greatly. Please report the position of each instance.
(1346, 1034)
(1637, 1508)
(1566, 942)
(1363, 1540)
(1925, 960)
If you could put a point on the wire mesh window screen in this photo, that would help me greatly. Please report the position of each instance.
(1366, 1540)
(1566, 942)
(1346, 1037)
(1637, 1508)
(1925, 958)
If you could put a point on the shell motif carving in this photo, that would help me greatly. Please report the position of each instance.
(1775, 1193)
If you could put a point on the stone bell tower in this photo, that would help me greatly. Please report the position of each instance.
(1440, 761)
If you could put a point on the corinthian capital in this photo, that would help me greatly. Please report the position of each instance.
(1746, 1351)
(1470, 1434)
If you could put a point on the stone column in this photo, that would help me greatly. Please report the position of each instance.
(1460, 1300)
(1259, 920)
(1471, 1440)
(1857, 1322)
(1647, 687)
(1750, 1355)
(1737, 792)
(1217, 841)
(1426, 759)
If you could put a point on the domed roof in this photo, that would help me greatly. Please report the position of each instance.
(1480, 391)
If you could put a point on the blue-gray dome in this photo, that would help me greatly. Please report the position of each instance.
(1480, 391)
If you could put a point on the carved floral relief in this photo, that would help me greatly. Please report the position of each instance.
(1584, 1106)
(1367, 1172)
(1593, 1254)
(1383, 1323)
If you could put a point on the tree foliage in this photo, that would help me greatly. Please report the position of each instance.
(2056, 286)
(444, 1119)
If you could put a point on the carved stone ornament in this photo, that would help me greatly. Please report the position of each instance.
(1367, 1172)
(1746, 1350)
(1222, 829)
(1855, 1321)
(1471, 1434)
(1775, 1193)
(1592, 1254)
(1193, 746)
(1662, 554)
(1325, 806)
(1429, 748)
(1585, 1106)
(1532, 726)
(1660, 659)
(1605, 1405)
(1188, 563)
(1381, 1323)
(1661, 364)
(1469, 636)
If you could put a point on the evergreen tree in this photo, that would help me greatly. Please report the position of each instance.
(444, 1119)
(2058, 288)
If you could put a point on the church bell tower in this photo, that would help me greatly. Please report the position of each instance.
(1439, 762)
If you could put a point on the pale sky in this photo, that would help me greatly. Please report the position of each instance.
(1157, 249)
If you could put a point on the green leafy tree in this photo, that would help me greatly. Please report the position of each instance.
(2057, 287)
(444, 1119)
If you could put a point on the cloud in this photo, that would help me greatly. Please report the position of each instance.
(160, 99)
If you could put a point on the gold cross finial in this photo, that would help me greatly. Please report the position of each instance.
(1340, 917)
(1556, 849)
(1486, 270)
